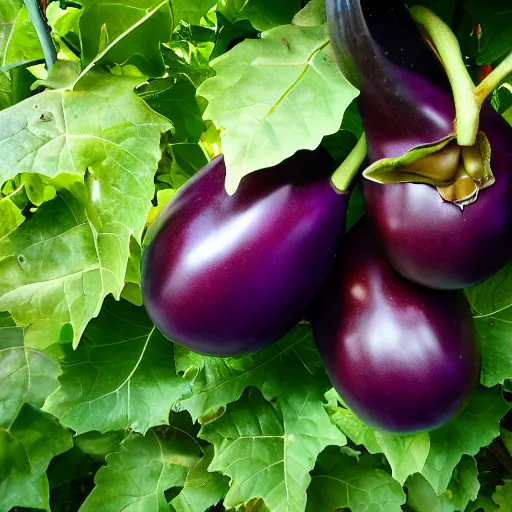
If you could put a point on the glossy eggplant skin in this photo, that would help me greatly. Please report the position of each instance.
(406, 102)
(403, 357)
(435, 243)
(228, 275)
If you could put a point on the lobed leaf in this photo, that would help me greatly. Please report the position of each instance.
(264, 88)
(121, 376)
(267, 450)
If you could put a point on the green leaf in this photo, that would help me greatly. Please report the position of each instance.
(14, 86)
(268, 451)
(191, 10)
(218, 381)
(62, 262)
(267, 14)
(26, 375)
(136, 478)
(492, 304)
(11, 216)
(503, 497)
(121, 376)
(103, 21)
(97, 445)
(19, 44)
(475, 427)
(264, 88)
(338, 481)
(176, 99)
(313, 14)
(27, 447)
(462, 489)
(202, 489)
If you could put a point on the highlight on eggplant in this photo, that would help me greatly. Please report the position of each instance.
(403, 357)
(228, 275)
(440, 209)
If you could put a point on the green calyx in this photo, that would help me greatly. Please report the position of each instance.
(458, 172)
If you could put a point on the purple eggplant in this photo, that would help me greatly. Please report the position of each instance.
(406, 104)
(403, 357)
(228, 275)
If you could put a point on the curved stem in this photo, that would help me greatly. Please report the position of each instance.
(493, 79)
(466, 107)
(344, 174)
(50, 55)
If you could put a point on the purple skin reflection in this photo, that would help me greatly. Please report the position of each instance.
(403, 357)
(230, 275)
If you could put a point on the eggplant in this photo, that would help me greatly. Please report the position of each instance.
(403, 357)
(406, 105)
(228, 275)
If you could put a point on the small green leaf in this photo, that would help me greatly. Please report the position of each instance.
(26, 375)
(106, 20)
(202, 488)
(136, 478)
(503, 497)
(191, 10)
(462, 489)
(268, 451)
(313, 14)
(26, 448)
(476, 427)
(19, 44)
(338, 481)
(492, 304)
(11, 216)
(267, 14)
(122, 375)
(264, 88)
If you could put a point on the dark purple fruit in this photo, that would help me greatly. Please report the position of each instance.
(228, 275)
(405, 103)
(403, 357)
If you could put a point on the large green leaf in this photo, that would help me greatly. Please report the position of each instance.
(219, 381)
(274, 96)
(475, 427)
(340, 481)
(268, 450)
(121, 376)
(62, 262)
(136, 478)
(266, 14)
(27, 446)
(26, 374)
(18, 39)
(103, 21)
(202, 488)
(462, 489)
(492, 304)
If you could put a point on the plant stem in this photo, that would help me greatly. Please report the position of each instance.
(50, 55)
(493, 79)
(344, 174)
(466, 107)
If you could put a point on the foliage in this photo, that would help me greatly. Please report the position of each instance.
(98, 411)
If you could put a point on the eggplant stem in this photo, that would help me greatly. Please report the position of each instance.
(345, 173)
(36, 17)
(493, 79)
(466, 107)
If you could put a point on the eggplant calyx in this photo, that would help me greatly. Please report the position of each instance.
(345, 173)
(458, 172)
